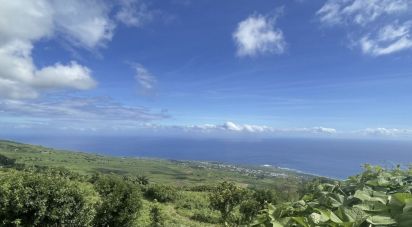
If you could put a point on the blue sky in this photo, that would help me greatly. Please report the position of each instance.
(209, 68)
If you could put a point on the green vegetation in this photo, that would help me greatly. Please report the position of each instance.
(376, 197)
(168, 172)
(30, 198)
(41, 186)
(121, 201)
(131, 191)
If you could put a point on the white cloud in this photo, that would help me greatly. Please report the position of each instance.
(374, 24)
(144, 78)
(133, 13)
(83, 110)
(20, 78)
(393, 132)
(316, 130)
(389, 39)
(258, 34)
(82, 23)
(360, 12)
(25, 20)
(231, 127)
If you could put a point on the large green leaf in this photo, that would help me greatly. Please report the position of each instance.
(381, 220)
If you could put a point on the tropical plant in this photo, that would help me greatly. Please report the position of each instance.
(376, 197)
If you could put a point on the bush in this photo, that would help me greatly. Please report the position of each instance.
(205, 215)
(121, 201)
(263, 196)
(33, 199)
(156, 216)
(249, 210)
(7, 162)
(225, 198)
(161, 193)
(202, 188)
(192, 200)
(138, 180)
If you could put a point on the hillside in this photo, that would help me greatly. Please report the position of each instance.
(41, 186)
(186, 184)
(159, 171)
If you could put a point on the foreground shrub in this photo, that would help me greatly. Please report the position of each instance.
(225, 197)
(121, 201)
(156, 216)
(249, 209)
(161, 193)
(34, 199)
(377, 197)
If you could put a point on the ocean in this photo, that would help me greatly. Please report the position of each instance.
(337, 158)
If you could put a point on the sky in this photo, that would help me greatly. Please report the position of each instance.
(270, 68)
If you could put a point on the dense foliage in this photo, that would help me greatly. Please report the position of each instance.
(92, 190)
(161, 193)
(377, 197)
(39, 196)
(121, 201)
(225, 198)
(237, 205)
(30, 198)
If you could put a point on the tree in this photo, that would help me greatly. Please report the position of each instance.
(121, 201)
(33, 199)
(225, 197)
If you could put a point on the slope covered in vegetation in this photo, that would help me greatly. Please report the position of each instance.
(41, 186)
(142, 192)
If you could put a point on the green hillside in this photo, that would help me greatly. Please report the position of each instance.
(189, 182)
(45, 187)
(173, 172)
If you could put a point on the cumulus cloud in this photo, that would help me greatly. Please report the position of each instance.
(258, 34)
(145, 79)
(231, 127)
(376, 22)
(20, 78)
(82, 23)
